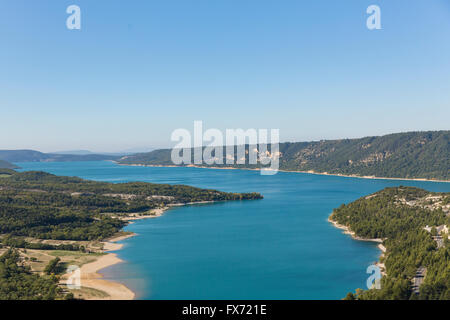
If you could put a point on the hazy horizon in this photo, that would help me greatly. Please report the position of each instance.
(149, 149)
(137, 71)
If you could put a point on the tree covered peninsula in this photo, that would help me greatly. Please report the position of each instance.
(44, 216)
(413, 226)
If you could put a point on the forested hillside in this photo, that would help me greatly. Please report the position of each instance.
(423, 155)
(399, 217)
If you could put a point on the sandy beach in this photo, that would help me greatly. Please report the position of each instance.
(155, 213)
(92, 278)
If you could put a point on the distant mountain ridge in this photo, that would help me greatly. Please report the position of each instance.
(411, 155)
(74, 152)
(36, 156)
(7, 165)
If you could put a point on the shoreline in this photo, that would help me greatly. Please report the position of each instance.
(91, 273)
(352, 234)
(280, 170)
(91, 276)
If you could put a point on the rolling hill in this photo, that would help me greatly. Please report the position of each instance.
(36, 156)
(412, 155)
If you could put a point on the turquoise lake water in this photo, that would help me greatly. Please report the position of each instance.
(281, 247)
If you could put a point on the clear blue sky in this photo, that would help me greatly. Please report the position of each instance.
(137, 70)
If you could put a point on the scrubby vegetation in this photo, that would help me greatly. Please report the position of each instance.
(17, 282)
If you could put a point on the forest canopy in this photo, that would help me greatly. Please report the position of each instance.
(45, 206)
(399, 217)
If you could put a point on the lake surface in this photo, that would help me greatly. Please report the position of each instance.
(281, 247)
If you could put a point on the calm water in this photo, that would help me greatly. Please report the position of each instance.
(281, 247)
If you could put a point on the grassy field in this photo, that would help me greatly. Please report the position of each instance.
(38, 259)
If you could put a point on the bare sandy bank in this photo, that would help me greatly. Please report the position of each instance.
(155, 213)
(91, 277)
(158, 212)
(351, 233)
